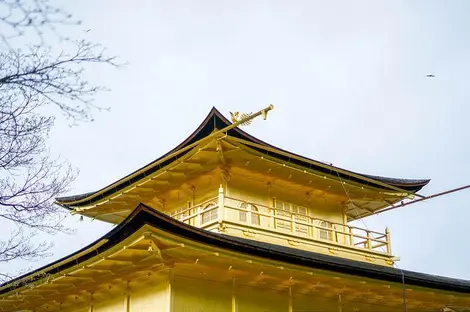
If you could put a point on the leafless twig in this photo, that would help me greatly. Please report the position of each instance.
(33, 78)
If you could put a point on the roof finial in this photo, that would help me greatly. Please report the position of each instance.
(265, 111)
(244, 119)
(236, 116)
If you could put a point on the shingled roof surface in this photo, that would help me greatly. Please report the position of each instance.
(215, 120)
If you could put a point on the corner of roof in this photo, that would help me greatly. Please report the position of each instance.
(214, 112)
(418, 184)
(425, 182)
(141, 208)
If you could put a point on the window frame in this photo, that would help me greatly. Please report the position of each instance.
(249, 209)
(324, 233)
(211, 215)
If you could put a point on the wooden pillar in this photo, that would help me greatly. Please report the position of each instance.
(198, 221)
(193, 211)
(290, 307)
(272, 212)
(92, 303)
(368, 242)
(234, 296)
(270, 204)
(351, 238)
(170, 291)
(293, 223)
(387, 237)
(127, 298)
(340, 304)
(345, 226)
(221, 204)
(334, 234)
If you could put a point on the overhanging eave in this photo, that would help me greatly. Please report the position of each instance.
(216, 121)
(144, 216)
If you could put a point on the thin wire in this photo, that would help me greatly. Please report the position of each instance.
(354, 205)
(403, 287)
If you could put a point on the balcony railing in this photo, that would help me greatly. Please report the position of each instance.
(232, 211)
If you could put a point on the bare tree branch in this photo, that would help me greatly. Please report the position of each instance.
(19, 247)
(31, 18)
(54, 80)
(33, 78)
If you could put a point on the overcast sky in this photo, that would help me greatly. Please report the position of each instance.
(347, 79)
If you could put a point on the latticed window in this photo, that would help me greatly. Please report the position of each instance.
(249, 209)
(326, 231)
(254, 215)
(300, 216)
(282, 209)
(288, 210)
(210, 214)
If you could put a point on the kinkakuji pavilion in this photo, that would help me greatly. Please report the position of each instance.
(227, 222)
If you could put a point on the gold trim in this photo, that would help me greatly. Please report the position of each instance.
(214, 134)
(320, 164)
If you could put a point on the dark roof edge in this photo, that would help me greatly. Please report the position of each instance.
(215, 120)
(144, 215)
(192, 138)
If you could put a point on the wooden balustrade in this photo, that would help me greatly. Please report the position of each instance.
(208, 212)
(199, 215)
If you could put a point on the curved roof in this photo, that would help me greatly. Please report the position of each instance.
(216, 121)
(144, 215)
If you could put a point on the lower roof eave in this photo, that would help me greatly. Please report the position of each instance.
(146, 216)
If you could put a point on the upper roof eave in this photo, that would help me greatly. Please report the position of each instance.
(64, 200)
(144, 215)
(216, 121)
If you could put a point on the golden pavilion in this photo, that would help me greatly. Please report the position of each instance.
(227, 222)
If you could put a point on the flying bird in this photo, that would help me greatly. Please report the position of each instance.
(430, 76)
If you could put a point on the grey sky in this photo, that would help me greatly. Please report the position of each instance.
(347, 79)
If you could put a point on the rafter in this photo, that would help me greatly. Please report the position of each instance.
(113, 212)
(194, 162)
(220, 152)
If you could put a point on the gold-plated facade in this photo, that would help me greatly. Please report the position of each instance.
(206, 201)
